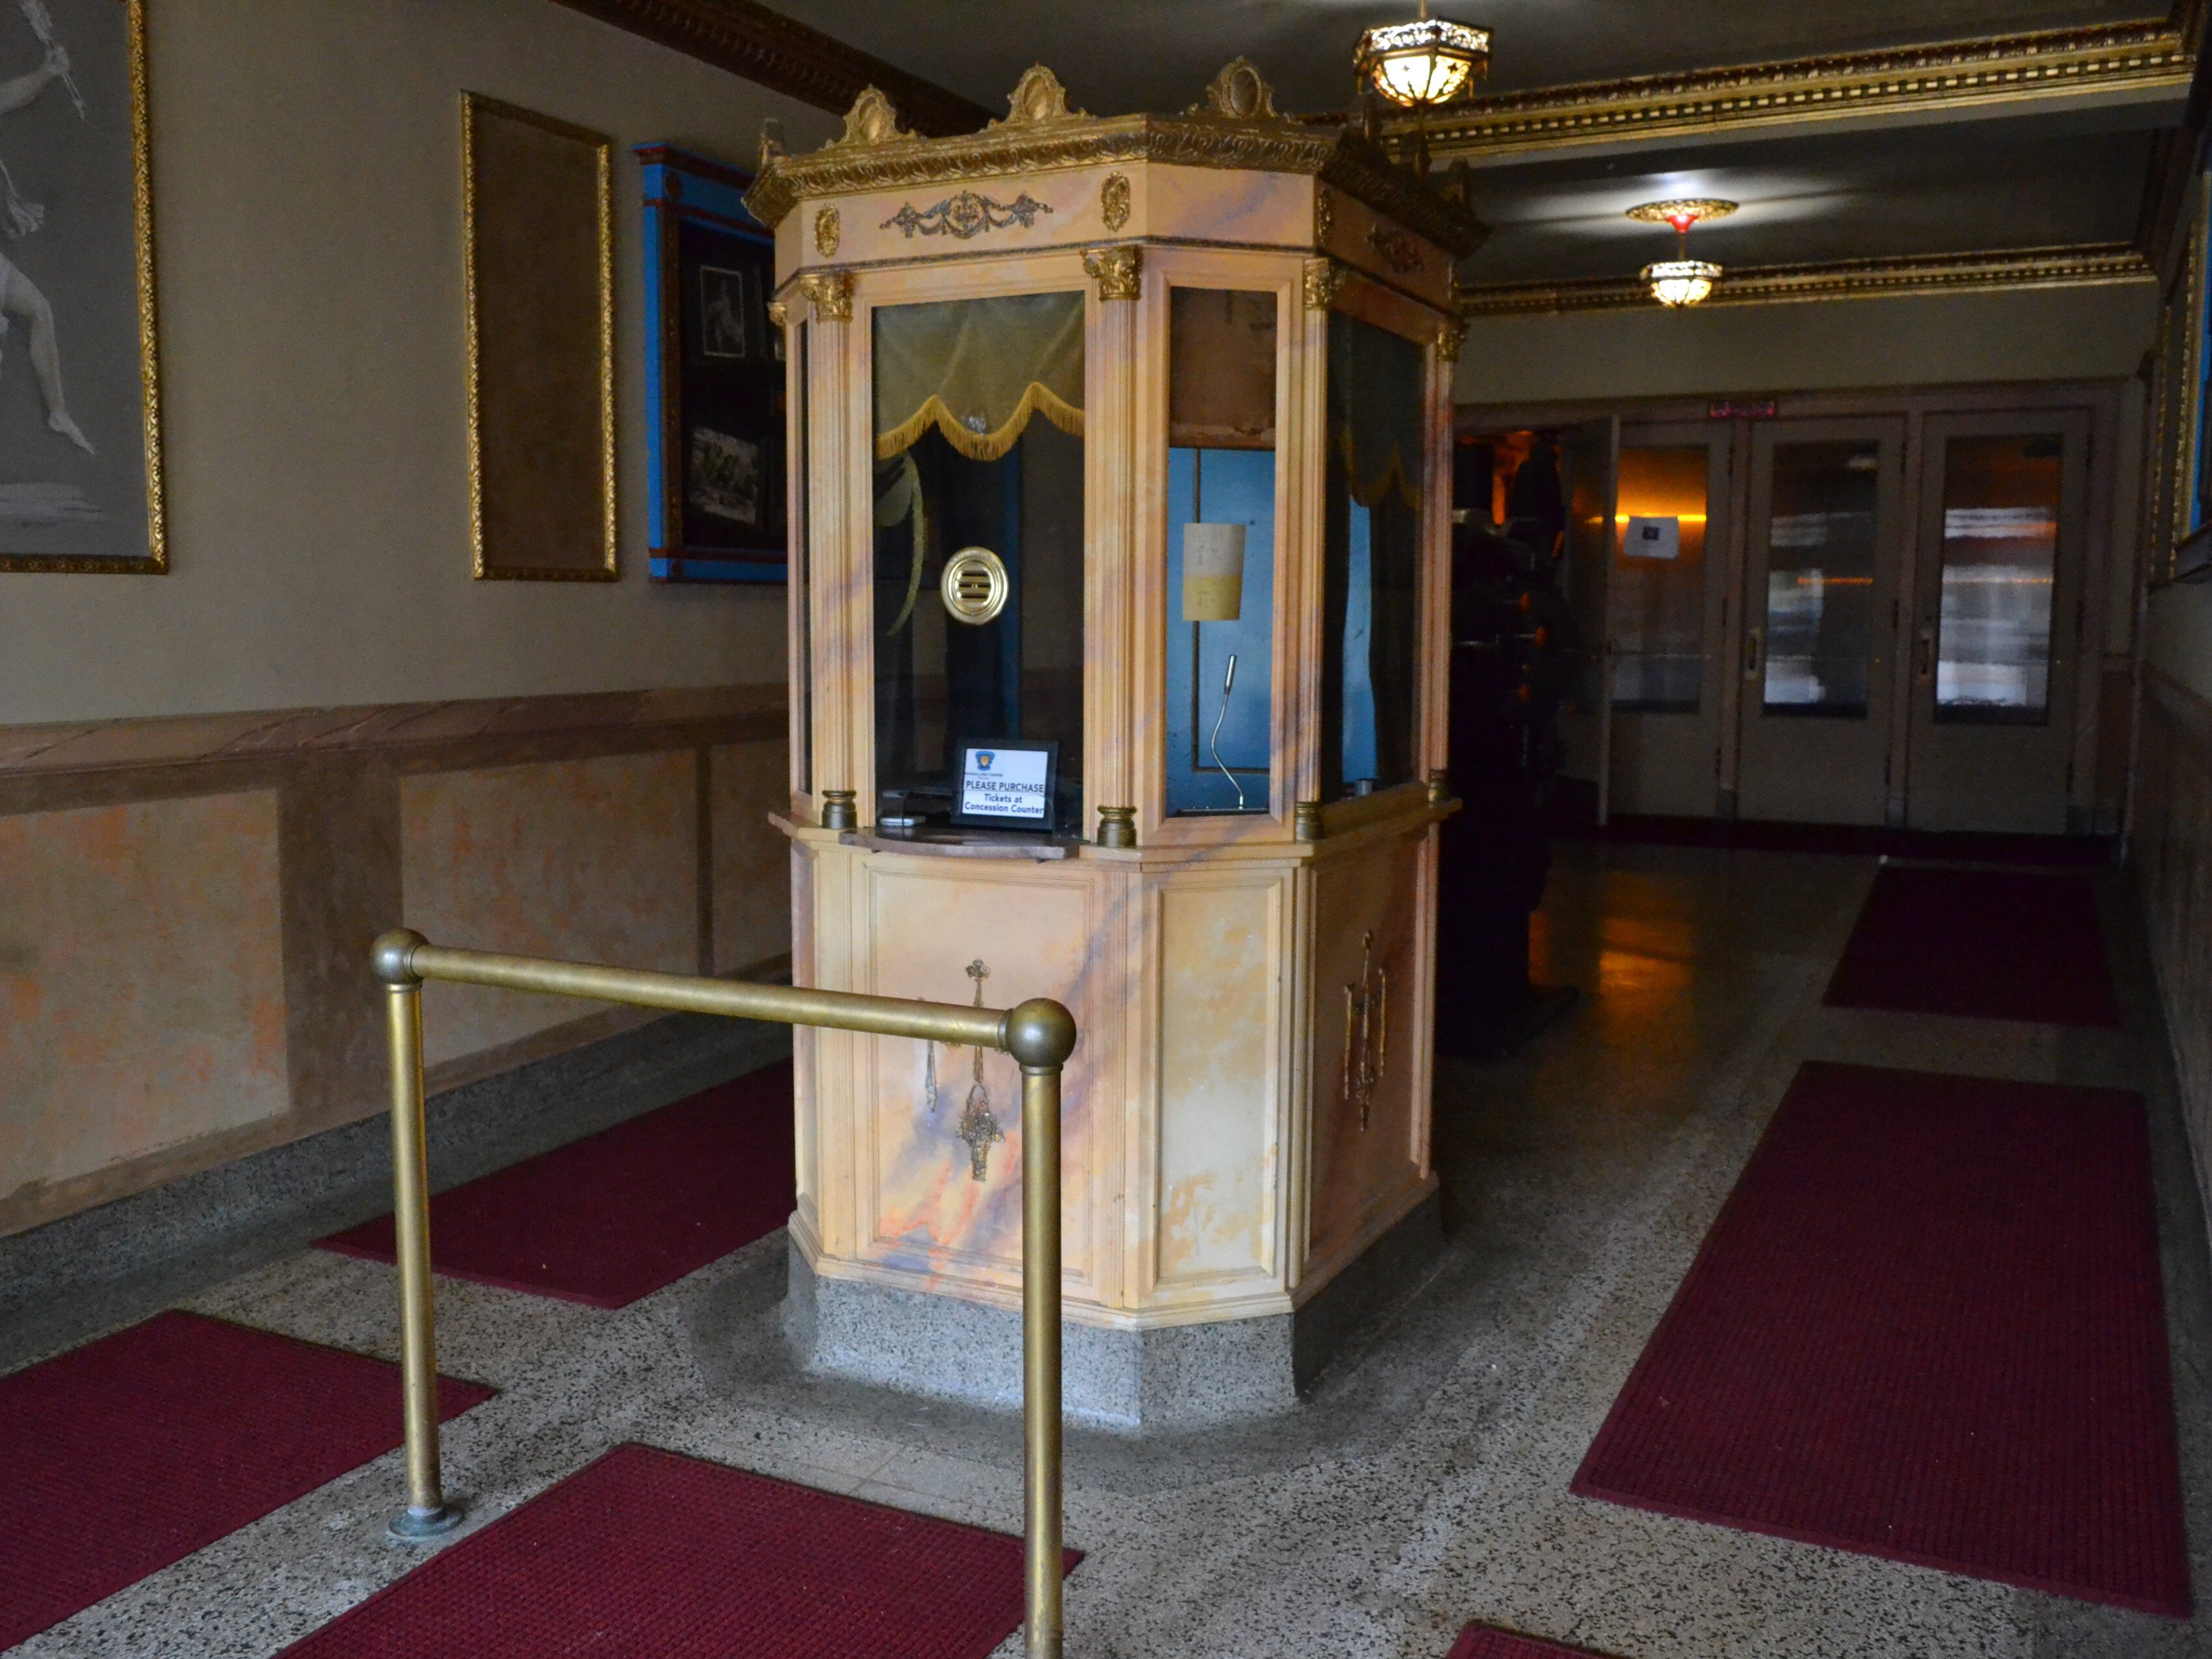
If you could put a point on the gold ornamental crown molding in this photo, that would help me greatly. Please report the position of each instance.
(783, 54)
(2088, 266)
(2139, 59)
(1042, 136)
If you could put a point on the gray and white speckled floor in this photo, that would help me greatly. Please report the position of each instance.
(1425, 1482)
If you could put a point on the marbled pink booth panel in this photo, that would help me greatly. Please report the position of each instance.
(751, 859)
(1222, 1052)
(590, 860)
(1034, 932)
(142, 985)
(1364, 1175)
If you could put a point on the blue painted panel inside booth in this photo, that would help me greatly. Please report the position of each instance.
(1221, 486)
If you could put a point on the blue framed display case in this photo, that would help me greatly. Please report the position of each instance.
(714, 377)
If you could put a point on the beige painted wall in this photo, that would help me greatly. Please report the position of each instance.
(2179, 638)
(2036, 334)
(307, 194)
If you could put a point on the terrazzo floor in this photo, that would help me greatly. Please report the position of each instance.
(1424, 1483)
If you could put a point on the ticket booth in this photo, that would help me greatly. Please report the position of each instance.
(1121, 476)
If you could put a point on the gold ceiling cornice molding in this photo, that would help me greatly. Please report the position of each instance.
(2157, 57)
(2091, 264)
(1340, 157)
(785, 55)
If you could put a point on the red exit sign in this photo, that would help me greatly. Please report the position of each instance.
(1760, 410)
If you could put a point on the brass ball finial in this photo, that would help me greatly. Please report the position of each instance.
(392, 957)
(1040, 1033)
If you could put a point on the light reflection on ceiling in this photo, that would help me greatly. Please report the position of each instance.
(2011, 183)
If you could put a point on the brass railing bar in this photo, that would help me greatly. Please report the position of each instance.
(848, 1011)
(1039, 1034)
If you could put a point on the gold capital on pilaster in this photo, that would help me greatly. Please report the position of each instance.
(1325, 280)
(1118, 271)
(831, 293)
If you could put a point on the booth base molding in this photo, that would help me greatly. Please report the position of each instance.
(1142, 1380)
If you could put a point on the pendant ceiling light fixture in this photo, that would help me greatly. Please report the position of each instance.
(1681, 281)
(1424, 64)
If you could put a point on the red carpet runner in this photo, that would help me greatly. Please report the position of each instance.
(1993, 944)
(619, 1215)
(130, 1453)
(1484, 1641)
(644, 1552)
(1927, 1324)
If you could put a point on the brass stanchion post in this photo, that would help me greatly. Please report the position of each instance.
(1041, 1035)
(427, 1514)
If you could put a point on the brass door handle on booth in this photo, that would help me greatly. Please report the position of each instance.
(1752, 643)
(1925, 674)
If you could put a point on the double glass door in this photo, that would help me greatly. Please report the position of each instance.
(1888, 636)
(1927, 677)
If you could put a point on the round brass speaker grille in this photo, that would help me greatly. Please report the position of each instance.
(974, 585)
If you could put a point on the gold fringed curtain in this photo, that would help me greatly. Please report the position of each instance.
(976, 370)
(1376, 406)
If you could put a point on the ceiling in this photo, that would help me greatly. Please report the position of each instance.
(1118, 56)
(2035, 182)
(2055, 168)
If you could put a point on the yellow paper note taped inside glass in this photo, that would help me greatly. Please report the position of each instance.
(1212, 572)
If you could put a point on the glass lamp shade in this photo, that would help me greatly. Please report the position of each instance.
(1682, 281)
(1424, 64)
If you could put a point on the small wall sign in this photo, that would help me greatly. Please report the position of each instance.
(1651, 538)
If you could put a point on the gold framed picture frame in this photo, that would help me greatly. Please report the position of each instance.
(538, 211)
(81, 484)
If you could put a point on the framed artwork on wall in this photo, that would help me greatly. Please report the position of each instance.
(79, 386)
(714, 377)
(538, 208)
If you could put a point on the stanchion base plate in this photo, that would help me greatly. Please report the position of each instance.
(412, 1526)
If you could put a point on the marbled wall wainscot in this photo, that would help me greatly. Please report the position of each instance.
(186, 906)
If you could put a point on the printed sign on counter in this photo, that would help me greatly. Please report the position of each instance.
(1009, 785)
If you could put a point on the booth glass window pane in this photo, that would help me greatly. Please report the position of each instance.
(1999, 560)
(1221, 551)
(1820, 577)
(1658, 600)
(1377, 451)
(943, 683)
